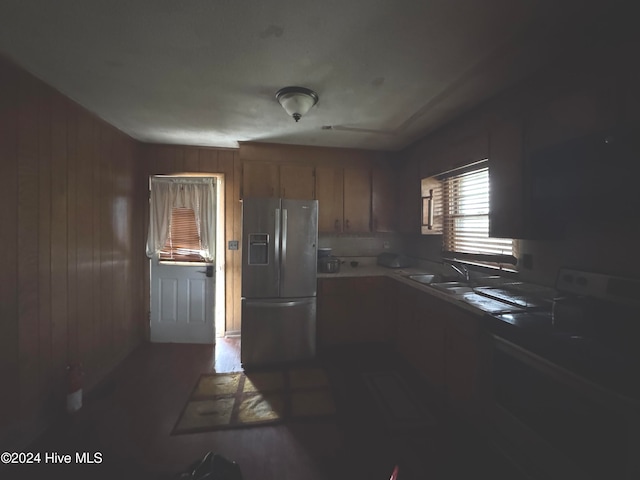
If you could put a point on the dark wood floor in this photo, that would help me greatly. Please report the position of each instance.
(129, 420)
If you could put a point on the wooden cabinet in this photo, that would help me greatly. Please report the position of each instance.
(461, 368)
(333, 327)
(442, 343)
(383, 183)
(344, 199)
(346, 195)
(352, 310)
(297, 181)
(357, 200)
(463, 361)
(590, 109)
(260, 179)
(431, 339)
(405, 337)
(408, 191)
(265, 179)
(506, 179)
(330, 196)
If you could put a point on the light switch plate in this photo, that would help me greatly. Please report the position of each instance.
(233, 244)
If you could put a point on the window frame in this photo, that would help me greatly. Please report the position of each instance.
(436, 195)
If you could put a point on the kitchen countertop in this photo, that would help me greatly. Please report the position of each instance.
(347, 270)
(400, 274)
(535, 340)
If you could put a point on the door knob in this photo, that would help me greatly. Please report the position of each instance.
(208, 272)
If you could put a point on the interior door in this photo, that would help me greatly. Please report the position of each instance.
(182, 303)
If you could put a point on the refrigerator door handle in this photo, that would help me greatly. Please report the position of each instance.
(284, 246)
(276, 239)
(293, 303)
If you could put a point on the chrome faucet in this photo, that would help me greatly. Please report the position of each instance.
(460, 269)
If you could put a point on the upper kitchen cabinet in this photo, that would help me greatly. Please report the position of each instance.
(383, 183)
(506, 180)
(408, 191)
(260, 179)
(573, 114)
(629, 93)
(330, 196)
(344, 199)
(357, 200)
(266, 179)
(297, 182)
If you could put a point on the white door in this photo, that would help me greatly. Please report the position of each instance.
(182, 303)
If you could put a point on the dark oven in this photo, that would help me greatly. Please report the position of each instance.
(566, 382)
(559, 423)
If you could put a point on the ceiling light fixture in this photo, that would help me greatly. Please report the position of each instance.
(296, 101)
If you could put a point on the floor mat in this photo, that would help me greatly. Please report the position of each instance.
(251, 399)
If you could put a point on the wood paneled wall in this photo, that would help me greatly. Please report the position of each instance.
(170, 159)
(71, 250)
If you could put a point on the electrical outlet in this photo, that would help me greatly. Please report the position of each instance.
(385, 245)
(233, 244)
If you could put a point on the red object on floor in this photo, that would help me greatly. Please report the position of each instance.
(394, 474)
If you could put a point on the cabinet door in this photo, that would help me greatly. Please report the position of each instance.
(297, 182)
(431, 335)
(383, 183)
(351, 310)
(405, 313)
(506, 198)
(462, 359)
(357, 200)
(408, 191)
(368, 312)
(581, 112)
(329, 193)
(461, 368)
(332, 312)
(260, 179)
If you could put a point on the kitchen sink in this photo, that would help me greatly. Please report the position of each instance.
(426, 278)
(453, 288)
(487, 304)
(484, 293)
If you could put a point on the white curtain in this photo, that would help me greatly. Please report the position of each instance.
(196, 193)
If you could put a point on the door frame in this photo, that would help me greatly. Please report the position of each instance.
(220, 280)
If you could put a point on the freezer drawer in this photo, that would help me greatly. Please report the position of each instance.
(278, 330)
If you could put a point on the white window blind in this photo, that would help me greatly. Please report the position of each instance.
(183, 243)
(460, 209)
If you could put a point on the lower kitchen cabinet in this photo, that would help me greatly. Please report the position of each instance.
(431, 334)
(461, 368)
(405, 324)
(443, 343)
(352, 310)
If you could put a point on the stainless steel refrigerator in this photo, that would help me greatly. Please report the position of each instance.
(279, 265)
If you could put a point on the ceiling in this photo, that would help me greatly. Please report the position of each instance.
(204, 72)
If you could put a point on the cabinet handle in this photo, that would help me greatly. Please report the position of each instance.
(336, 225)
(347, 225)
(430, 210)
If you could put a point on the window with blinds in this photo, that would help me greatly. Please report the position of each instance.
(457, 205)
(183, 243)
